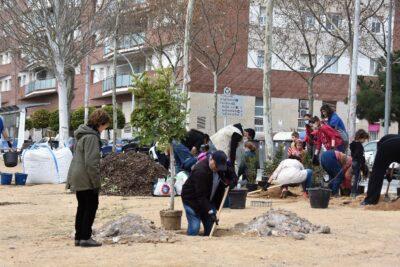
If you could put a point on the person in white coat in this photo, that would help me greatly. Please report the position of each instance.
(291, 172)
(227, 139)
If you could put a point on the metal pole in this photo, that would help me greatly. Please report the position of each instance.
(87, 91)
(354, 67)
(388, 89)
(114, 84)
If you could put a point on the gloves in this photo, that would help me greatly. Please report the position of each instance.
(9, 144)
(213, 217)
(315, 160)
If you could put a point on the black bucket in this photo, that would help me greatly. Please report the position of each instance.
(10, 159)
(319, 197)
(360, 189)
(251, 187)
(237, 198)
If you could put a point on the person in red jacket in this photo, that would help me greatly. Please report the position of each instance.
(326, 136)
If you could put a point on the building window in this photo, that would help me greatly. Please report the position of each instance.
(373, 135)
(304, 62)
(262, 16)
(309, 21)
(332, 62)
(260, 58)
(376, 25)
(304, 109)
(5, 85)
(258, 118)
(373, 66)
(333, 21)
(5, 58)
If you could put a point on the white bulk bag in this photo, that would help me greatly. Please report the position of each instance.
(46, 166)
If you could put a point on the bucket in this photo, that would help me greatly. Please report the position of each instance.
(6, 178)
(171, 219)
(10, 159)
(251, 187)
(319, 197)
(20, 178)
(360, 189)
(237, 198)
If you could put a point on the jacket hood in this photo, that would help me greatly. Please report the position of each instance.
(84, 130)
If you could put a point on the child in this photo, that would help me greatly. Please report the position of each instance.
(357, 153)
(327, 136)
(249, 163)
(297, 151)
(295, 137)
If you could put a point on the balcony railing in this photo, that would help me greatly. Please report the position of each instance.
(124, 80)
(127, 42)
(40, 85)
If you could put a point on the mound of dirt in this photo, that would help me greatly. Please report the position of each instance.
(132, 228)
(276, 192)
(385, 206)
(129, 174)
(281, 223)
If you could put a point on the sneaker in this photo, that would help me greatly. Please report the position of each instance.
(89, 243)
(353, 195)
(77, 243)
(365, 203)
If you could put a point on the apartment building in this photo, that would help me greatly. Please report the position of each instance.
(22, 82)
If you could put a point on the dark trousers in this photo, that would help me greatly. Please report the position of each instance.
(88, 201)
(387, 152)
(356, 177)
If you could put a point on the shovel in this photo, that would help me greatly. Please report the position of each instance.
(387, 198)
(219, 211)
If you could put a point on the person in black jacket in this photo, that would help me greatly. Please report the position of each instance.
(387, 152)
(203, 191)
(357, 154)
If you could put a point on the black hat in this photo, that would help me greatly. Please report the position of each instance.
(220, 159)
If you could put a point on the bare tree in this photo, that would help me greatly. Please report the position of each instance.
(217, 27)
(300, 42)
(56, 34)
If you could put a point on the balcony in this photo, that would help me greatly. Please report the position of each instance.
(40, 87)
(124, 81)
(128, 43)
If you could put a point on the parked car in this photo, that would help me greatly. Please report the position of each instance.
(122, 145)
(370, 149)
(53, 143)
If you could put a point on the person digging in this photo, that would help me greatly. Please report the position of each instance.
(84, 176)
(203, 191)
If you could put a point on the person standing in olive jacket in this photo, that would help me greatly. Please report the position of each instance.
(84, 176)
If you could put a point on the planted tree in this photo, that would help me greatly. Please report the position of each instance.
(78, 117)
(28, 124)
(54, 122)
(159, 115)
(40, 119)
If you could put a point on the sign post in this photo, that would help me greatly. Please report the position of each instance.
(230, 105)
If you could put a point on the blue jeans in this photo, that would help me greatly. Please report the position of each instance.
(307, 183)
(184, 160)
(332, 166)
(194, 221)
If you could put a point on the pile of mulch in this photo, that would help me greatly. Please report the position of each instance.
(281, 223)
(132, 228)
(129, 174)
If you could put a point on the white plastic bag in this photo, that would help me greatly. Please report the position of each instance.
(180, 181)
(162, 188)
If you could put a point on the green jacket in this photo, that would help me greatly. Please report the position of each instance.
(84, 172)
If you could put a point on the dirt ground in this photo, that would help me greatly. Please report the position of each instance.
(36, 226)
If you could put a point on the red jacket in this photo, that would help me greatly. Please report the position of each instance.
(309, 138)
(324, 136)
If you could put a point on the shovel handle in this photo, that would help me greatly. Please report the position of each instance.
(219, 211)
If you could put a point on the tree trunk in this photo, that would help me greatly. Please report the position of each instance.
(267, 118)
(172, 181)
(354, 67)
(215, 75)
(186, 51)
(63, 108)
(114, 87)
(87, 85)
(310, 93)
